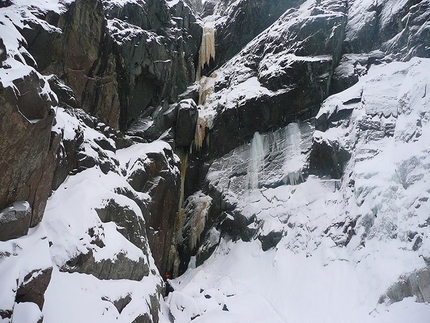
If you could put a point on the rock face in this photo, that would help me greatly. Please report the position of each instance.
(186, 123)
(157, 174)
(242, 21)
(33, 287)
(398, 30)
(119, 60)
(28, 148)
(152, 68)
(120, 268)
(24, 278)
(281, 76)
(267, 155)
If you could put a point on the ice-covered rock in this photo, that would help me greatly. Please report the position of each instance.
(397, 27)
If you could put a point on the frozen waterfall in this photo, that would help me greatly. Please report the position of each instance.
(256, 161)
(207, 48)
(293, 162)
(269, 160)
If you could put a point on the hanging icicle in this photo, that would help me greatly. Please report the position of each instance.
(199, 135)
(207, 48)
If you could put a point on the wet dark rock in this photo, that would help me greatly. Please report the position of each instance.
(33, 287)
(186, 123)
(120, 268)
(327, 159)
(28, 147)
(15, 220)
(270, 240)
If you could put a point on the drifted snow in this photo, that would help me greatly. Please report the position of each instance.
(19, 257)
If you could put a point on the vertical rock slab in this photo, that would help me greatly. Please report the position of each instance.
(279, 77)
(153, 169)
(89, 64)
(243, 21)
(27, 147)
(186, 123)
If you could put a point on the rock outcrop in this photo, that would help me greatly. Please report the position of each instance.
(241, 21)
(156, 172)
(28, 146)
(120, 60)
(281, 76)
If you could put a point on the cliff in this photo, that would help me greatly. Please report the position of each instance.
(233, 145)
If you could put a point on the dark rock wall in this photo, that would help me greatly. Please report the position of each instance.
(243, 21)
(116, 76)
(157, 62)
(305, 52)
(28, 148)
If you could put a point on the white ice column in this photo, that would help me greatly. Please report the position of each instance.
(256, 161)
(207, 48)
(293, 155)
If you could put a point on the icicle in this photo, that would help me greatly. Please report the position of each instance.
(256, 161)
(198, 221)
(199, 135)
(174, 259)
(293, 155)
(207, 48)
(206, 87)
